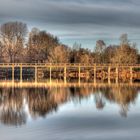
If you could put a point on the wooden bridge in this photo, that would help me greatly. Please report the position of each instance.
(79, 71)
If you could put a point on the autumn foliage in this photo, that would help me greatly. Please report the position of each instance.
(18, 45)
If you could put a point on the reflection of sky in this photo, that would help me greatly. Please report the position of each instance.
(87, 107)
(82, 121)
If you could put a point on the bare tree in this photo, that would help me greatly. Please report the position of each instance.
(99, 51)
(124, 39)
(1, 52)
(13, 36)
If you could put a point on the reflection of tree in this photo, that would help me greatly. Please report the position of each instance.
(78, 93)
(38, 102)
(99, 101)
(10, 117)
(11, 107)
(123, 96)
(44, 101)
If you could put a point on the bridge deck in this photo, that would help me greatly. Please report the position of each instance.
(65, 65)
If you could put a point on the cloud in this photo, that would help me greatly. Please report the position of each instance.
(76, 11)
(75, 18)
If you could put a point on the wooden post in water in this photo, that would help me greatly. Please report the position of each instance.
(79, 74)
(35, 74)
(65, 74)
(117, 75)
(50, 74)
(109, 74)
(13, 72)
(131, 74)
(94, 73)
(21, 73)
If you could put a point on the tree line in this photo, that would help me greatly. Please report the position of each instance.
(17, 45)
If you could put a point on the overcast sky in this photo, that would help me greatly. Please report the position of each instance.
(82, 21)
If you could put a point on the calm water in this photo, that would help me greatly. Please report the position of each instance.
(84, 113)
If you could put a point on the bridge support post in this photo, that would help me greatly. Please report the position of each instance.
(95, 74)
(131, 74)
(109, 69)
(65, 74)
(79, 74)
(50, 74)
(13, 72)
(21, 73)
(35, 74)
(117, 75)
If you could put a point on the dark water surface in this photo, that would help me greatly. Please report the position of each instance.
(82, 113)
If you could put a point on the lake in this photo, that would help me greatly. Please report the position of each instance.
(70, 113)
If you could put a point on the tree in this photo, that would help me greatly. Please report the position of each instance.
(1, 52)
(13, 36)
(124, 39)
(80, 55)
(99, 51)
(59, 54)
(74, 53)
(109, 53)
(126, 53)
(40, 44)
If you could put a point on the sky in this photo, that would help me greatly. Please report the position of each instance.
(81, 21)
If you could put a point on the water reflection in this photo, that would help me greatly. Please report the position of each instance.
(12, 106)
(18, 104)
(123, 96)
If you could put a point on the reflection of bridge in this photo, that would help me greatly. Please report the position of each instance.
(62, 85)
(79, 71)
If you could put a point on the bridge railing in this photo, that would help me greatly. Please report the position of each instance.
(70, 64)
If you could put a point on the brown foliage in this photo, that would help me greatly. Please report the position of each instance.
(43, 47)
(125, 54)
(39, 45)
(12, 39)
